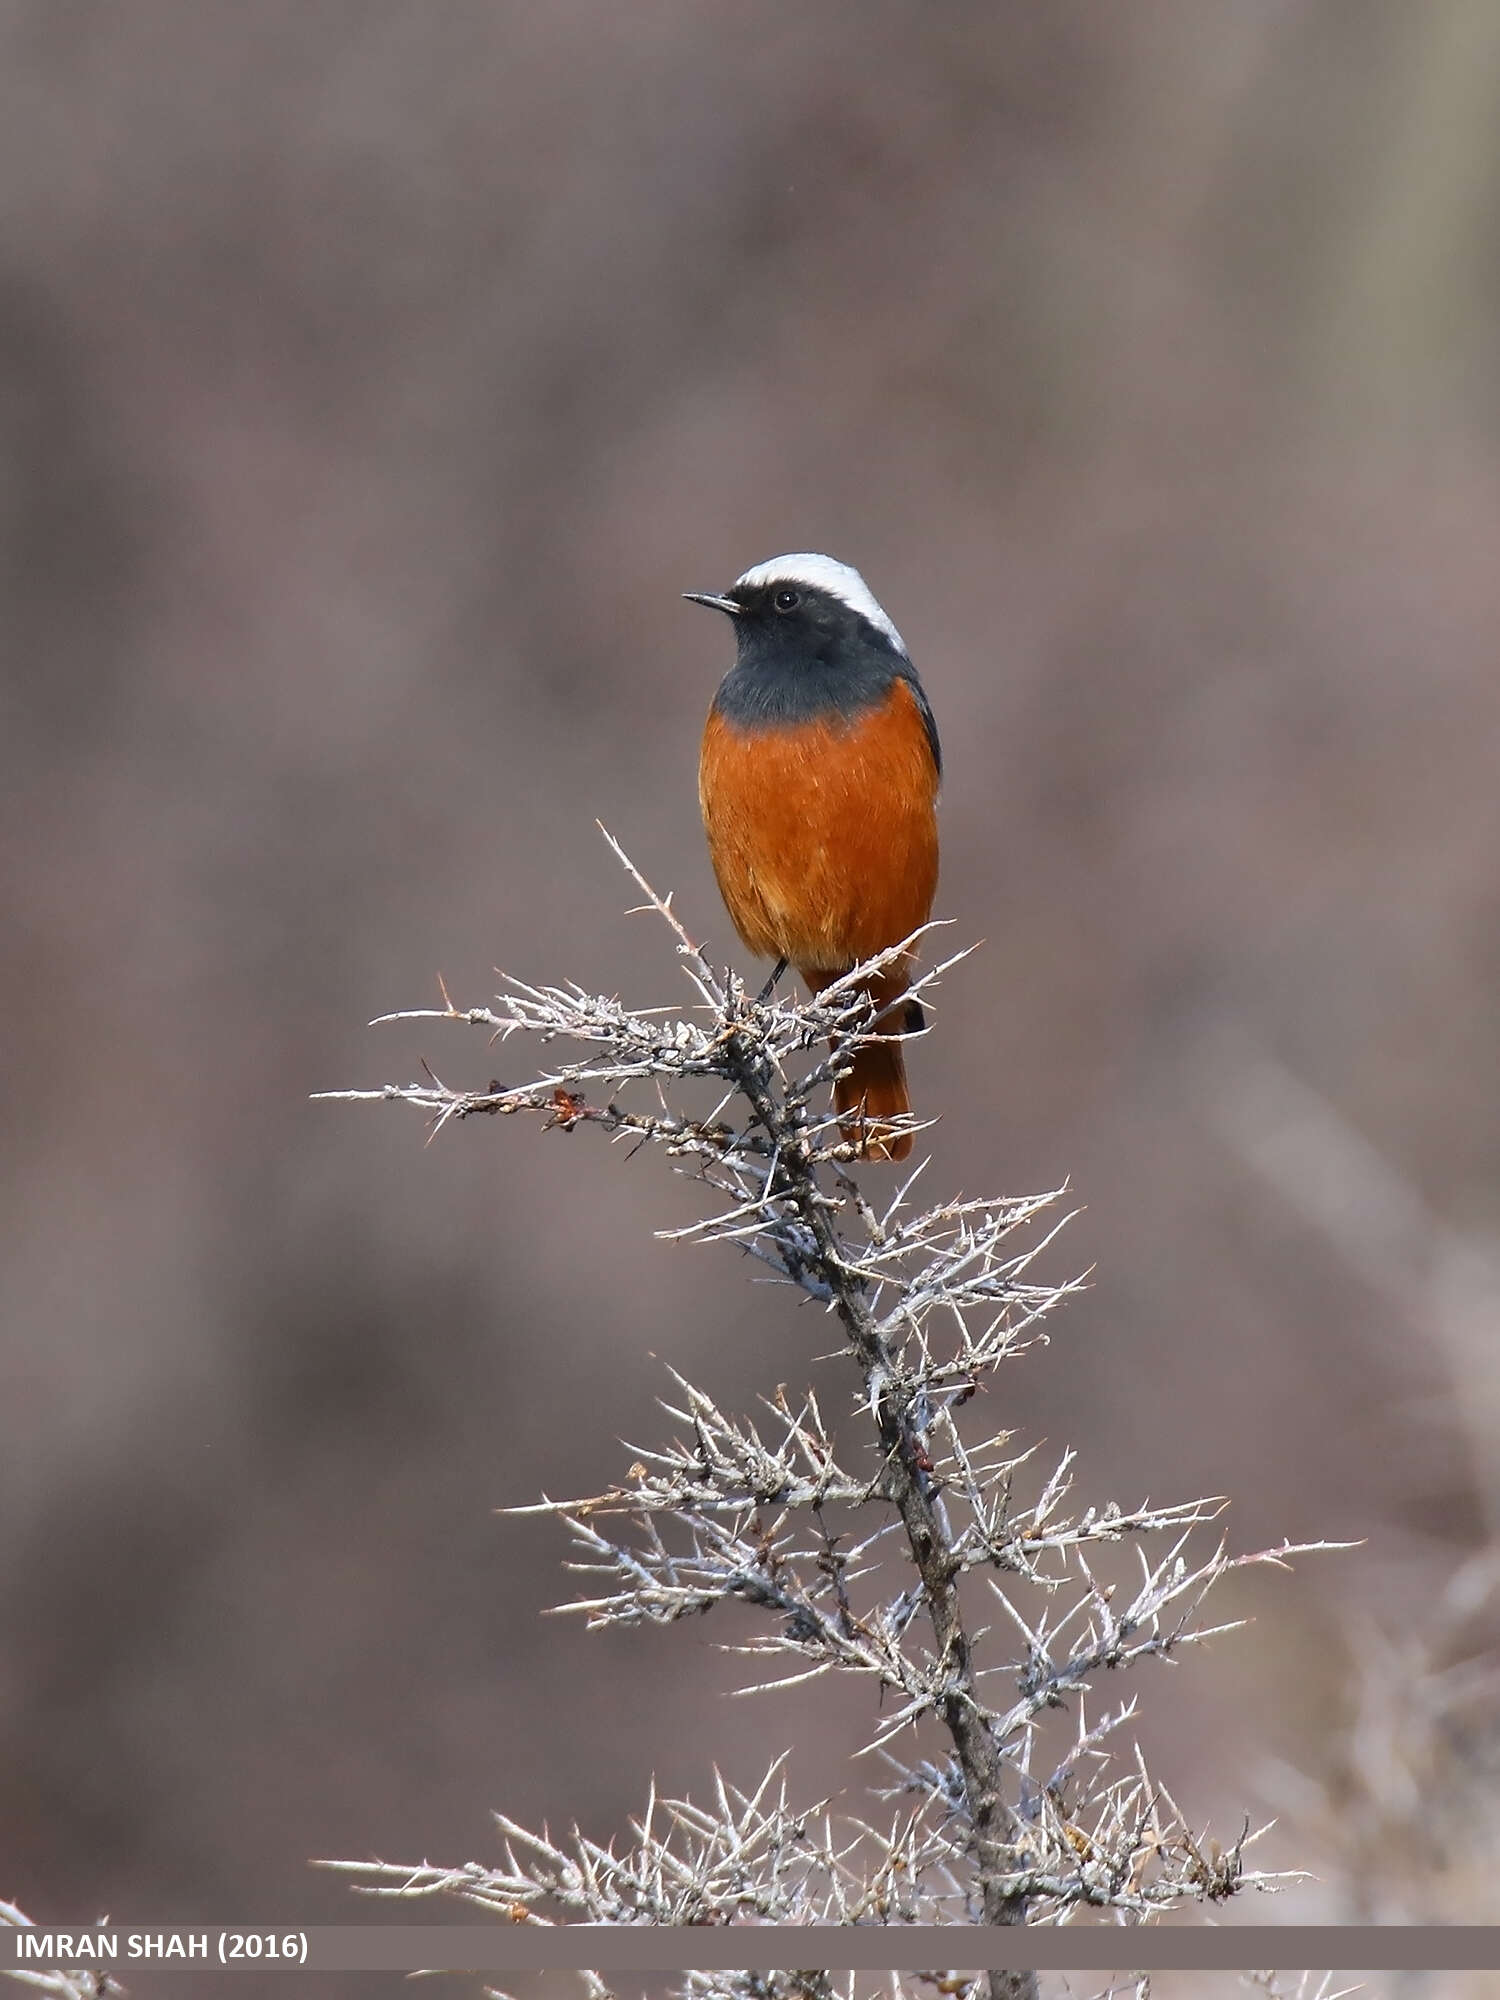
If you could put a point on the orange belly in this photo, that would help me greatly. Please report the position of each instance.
(823, 836)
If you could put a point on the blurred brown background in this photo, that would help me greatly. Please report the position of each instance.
(372, 379)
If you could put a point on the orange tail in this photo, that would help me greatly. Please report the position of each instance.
(872, 1093)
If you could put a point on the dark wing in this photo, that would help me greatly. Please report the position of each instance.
(908, 673)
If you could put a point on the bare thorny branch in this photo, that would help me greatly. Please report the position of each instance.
(958, 1985)
(929, 1303)
(76, 1983)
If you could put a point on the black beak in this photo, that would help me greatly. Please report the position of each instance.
(714, 603)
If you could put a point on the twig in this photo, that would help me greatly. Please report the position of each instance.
(929, 1303)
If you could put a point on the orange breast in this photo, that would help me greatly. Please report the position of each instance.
(823, 836)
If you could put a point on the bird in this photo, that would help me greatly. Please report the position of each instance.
(818, 782)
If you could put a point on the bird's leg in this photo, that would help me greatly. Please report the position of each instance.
(770, 986)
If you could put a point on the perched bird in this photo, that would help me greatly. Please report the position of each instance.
(818, 781)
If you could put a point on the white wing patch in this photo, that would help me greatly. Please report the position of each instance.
(823, 573)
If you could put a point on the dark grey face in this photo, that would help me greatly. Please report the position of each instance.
(787, 619)
(804, 655)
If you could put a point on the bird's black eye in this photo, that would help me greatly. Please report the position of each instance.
(788, 600)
